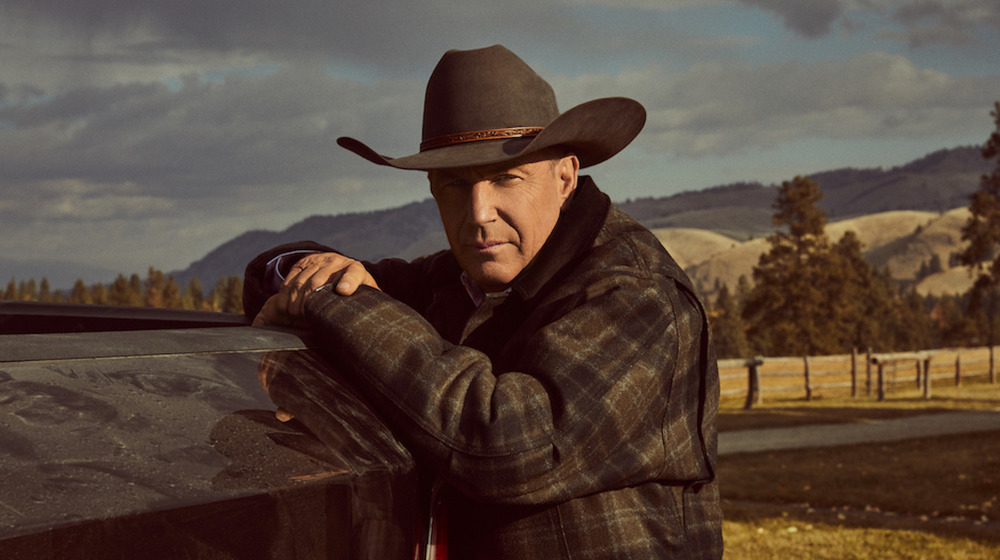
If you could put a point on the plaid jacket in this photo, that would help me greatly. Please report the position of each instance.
(573, 417)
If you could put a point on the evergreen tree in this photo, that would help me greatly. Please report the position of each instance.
(11, 293)
(810, 297)
(193, 296)
(137, 289)
(120, 292)
(913, 328)
(728, 327)
(172, 294)
(953, 326)
(79, 293)
(28, 290)
(233, 299)
(156, 285)
(44, 291)
(786, 309)
(982, 231)
(98, 294)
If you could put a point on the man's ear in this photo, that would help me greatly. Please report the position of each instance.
(567, 171)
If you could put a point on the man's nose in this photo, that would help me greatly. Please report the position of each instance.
(482, 202)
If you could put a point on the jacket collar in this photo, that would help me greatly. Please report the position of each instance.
(573, 235)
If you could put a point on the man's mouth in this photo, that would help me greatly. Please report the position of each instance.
(485, 246)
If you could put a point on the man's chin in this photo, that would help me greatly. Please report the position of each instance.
(490, 282)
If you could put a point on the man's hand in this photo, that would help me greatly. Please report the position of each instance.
(269, 366)
(306, 276)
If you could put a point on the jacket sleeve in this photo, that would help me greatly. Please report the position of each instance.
(600, 397)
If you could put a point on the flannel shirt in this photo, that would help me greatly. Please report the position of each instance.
(572, 416)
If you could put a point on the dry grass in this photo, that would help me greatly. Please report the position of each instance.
(928, 498)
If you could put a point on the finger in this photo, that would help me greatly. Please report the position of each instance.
(353, 277)
(259, 320)
(308, 275)
(274, 313)
(283, 415)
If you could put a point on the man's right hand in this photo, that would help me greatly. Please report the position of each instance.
(312, 272)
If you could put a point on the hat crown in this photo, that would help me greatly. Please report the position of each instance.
(485, 89)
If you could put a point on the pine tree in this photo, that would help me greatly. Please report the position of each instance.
(785, 308)
(913, 329)
(810, 297)
(156, 285)
(233, 299)
(193, 296)
(44, 291)
(79, 293)
(728, 327)
(120, 292)
(172, 294)
(99, 294)
(137, 290)
(982, 231)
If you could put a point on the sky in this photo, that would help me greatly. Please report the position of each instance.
(147, 133)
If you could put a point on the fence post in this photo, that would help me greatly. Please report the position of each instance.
(993, 371)
(958, 368)
(881, 382)
(854, 372)
(920, 372)
(809, 393)
(927, 378)
(753, 383)
(868, 372)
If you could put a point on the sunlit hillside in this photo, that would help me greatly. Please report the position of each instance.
(906, 241)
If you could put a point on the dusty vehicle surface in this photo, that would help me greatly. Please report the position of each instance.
(137, 433)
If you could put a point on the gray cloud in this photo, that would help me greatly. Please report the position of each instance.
(810, 19)
(917, 23)
(716, 109)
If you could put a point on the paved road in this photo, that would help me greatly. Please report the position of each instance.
(828, 435)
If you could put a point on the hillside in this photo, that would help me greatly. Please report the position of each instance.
(726, 222)
(902, 240)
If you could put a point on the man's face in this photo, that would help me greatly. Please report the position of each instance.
(497, 217)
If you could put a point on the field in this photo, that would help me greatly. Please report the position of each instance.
(928, 498)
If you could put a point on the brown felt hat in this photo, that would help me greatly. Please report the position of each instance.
(487, 106)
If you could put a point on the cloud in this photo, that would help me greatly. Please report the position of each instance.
(810, 19)
(720, 108)
(916, 23)
(394, 36)
(950, 22)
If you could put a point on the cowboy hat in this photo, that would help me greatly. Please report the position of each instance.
(487, 106)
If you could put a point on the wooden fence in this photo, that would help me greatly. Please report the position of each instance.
(853, 374)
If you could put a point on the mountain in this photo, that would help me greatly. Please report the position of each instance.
(407, 231)
(936, 182)
(734, 214)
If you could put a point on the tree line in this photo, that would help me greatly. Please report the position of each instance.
(156, 290)
(812, 296)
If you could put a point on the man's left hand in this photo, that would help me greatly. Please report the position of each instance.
(312, 272)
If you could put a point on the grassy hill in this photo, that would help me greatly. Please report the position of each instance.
(903, 240)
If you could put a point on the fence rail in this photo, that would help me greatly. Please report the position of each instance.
(855, 373)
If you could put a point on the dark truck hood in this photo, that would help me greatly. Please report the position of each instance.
(162, 444)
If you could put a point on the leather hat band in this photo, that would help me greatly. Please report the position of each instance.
(475, 136)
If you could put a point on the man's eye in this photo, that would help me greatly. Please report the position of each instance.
(449, 183)
(505, 179)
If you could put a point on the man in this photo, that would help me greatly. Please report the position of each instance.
(553, 370)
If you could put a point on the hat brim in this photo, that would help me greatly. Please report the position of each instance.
(593, 131)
